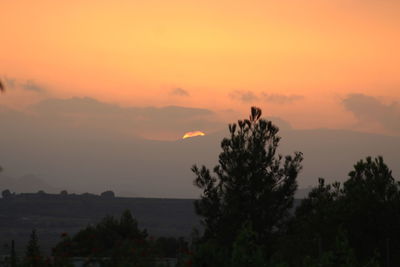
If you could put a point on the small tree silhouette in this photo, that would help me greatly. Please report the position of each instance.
(33, 256)
(13, 255)
(107, 194)
(6, 193)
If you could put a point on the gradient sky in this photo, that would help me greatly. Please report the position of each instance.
(313, 63)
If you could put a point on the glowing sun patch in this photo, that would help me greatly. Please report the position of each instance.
(193, 134)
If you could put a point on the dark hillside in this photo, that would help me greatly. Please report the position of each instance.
(52, 215)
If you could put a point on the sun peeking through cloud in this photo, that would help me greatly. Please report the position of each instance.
(193, 134)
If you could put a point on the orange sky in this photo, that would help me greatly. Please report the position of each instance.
(137, 52)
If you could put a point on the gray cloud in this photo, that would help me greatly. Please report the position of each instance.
(244, 96)
(370, 109)
(281, 98)
(179, 92)
(10, 83)
(80, 144)
(28, 85)
(249, 96)
(91, 113)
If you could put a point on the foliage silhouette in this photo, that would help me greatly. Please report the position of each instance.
(366, 209)
(252, 184)
(372, 198)
(107, 194)
(114, 242)
(6, 193)
(245, 251)
(33, 255)
(13, 255)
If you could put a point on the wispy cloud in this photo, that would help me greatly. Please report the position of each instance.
(244, 96)
(250, 96)
(179, 92)
(281, 98)
(10, 83)
(28, 85)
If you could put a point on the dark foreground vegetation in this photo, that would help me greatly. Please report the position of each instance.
(245, 212)
(53, 214)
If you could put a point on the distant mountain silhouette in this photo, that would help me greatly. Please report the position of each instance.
(89, 160)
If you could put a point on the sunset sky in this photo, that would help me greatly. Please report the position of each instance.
(314, 64)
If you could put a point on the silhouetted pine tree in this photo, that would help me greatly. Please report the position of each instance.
(251, 183)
